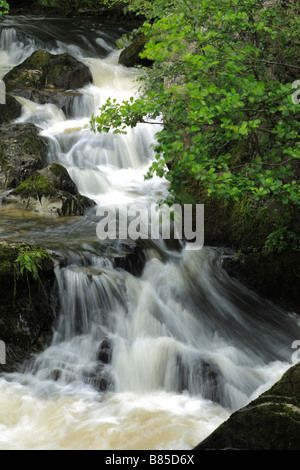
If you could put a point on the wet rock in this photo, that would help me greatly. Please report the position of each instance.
(43, 70)
(130, 56)
(271, 422)
(22, 151)
(201, 376)
(11, 110)
(49, 192)
(100, 378)
(127, 255)
(28, 307)
(62, 99)
(105, 351)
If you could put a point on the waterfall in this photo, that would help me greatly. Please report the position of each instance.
(155, 361)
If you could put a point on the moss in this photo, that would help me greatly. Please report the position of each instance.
(288, 385)
(59, 170)
(39, 59)
(35, 186)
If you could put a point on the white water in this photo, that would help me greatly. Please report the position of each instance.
(188, 344)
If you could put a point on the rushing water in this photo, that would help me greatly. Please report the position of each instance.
(182, 345)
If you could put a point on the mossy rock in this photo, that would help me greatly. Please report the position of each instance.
(271, 422)
(43, 70)
(49, 192)
(243, 227)
(22, 151)
(130, 56)
(28, 307)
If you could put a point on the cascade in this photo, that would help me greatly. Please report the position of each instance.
(155, 361)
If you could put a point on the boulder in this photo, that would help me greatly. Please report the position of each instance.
(46, 71)
(49, 192)
(22, 152)
(130, 56)
(11, 110)
(28, 306)
(271, 422)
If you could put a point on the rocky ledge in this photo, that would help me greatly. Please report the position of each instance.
(49, 192)
(271, 422)
(48, 78)
(28, 306)
(22, 151)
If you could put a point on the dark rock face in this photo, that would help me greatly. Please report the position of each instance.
(49, 191)
(22, 152)
(28, 307)
(105, 351)
(271, 422)
(11, 110)
(43, 70)
(130, 56)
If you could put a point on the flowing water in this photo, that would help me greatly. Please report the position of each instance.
(151, 361)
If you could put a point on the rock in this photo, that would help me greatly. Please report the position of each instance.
(11, 110)
(22, 152)
(243, 227)
(201, 376)
(28, 307)
(64, 100)
(275, 276)
(105, 351)
(127, 255)
(46, 71)
(271, 422)
(49, 192)
(130, 56)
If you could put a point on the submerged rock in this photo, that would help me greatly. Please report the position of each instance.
(43, 70)
(49, 192)
(271, 422)
(64, 100)
(28, 307)
(22, 151)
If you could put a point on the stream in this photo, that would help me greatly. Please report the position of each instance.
(183, 345)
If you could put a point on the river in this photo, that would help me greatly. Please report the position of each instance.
(185, 344)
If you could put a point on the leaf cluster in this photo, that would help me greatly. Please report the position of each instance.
(29, 260)
(222, 80)
(4, 7)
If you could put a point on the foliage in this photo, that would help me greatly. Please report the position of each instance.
(29, 260)
(4, 7)
(76, 4)
(281, 239)
(223, 79)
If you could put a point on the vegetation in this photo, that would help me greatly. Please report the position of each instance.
(4, 7)
(75, 4)
(29, 262)
(223, 81)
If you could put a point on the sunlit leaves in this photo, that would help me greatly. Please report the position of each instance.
(220, 80)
